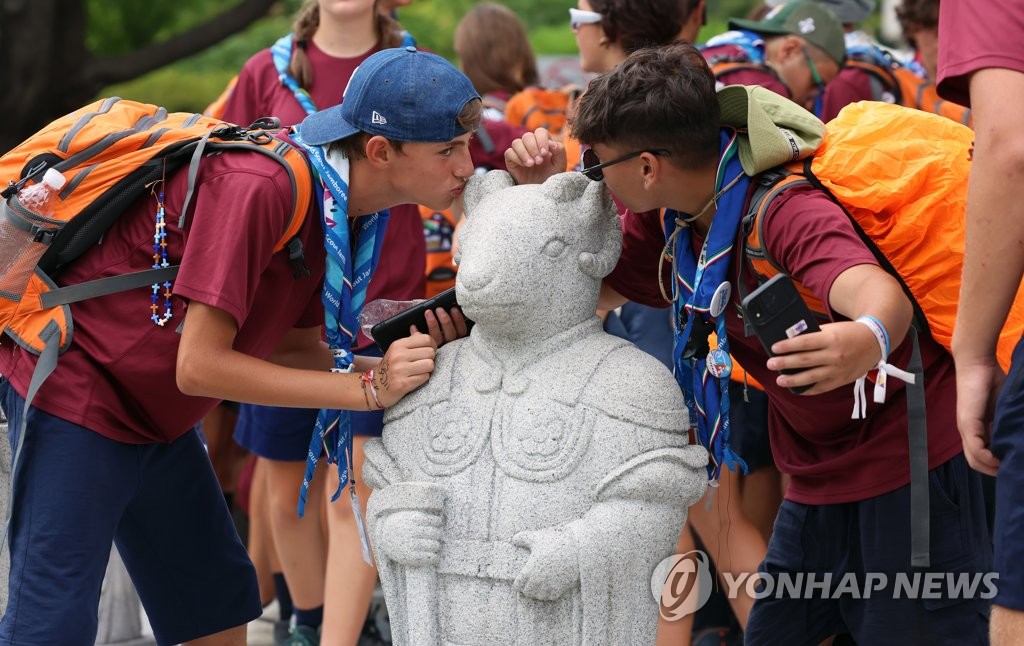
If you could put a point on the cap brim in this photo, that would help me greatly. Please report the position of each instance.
(756, 27)
(325, 126)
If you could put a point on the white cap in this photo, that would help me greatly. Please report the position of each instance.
(54, 179)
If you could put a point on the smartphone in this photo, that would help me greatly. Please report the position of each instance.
(397, 327)
(776, 312)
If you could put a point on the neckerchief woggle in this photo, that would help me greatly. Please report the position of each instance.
(344, 293)
(694, 283)
(281, 53)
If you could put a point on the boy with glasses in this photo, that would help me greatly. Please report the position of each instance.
(847, 505)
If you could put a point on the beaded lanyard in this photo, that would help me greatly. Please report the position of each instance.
(160, 261)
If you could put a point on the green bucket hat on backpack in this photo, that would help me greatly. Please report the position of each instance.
(773, 130)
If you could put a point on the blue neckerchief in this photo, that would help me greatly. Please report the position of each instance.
(694, 284)
(281, 52)
(344, 293)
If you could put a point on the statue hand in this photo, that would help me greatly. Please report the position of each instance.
(553, 566)
(411, 538)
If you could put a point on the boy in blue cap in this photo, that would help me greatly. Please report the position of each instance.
(109, 452)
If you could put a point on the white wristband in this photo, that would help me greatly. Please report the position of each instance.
(881, 334)
(860, 403)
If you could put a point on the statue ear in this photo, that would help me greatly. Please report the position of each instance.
(479, 186)
(604, 219)
(567, 187)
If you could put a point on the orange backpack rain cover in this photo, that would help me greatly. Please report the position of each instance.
(902, 175)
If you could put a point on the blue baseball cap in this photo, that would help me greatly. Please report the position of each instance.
(402, 94)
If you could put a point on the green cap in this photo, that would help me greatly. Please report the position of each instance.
(809, 20)
(773, 130)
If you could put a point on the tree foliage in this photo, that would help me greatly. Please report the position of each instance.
(51, 65)
(58, 55)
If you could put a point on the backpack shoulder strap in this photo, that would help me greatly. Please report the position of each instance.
(880, 68)
(257, 139)
(756, 257)
(299, 174)
(301, 177)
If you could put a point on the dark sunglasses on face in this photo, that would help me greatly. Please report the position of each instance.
(593, 169)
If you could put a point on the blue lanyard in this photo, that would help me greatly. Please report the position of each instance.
(695, 282)
(345, 283)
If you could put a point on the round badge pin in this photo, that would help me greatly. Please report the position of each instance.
(720, 300)
(719, 363)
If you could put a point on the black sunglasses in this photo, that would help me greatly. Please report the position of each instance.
(593, 169)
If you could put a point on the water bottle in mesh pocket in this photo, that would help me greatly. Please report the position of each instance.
(24, 236)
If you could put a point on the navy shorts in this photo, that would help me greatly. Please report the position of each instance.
(748, 426)
(872, 537)
(283, 434)
(76, 492)
(1008, 447)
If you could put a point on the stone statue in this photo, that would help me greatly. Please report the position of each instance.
(525, 494)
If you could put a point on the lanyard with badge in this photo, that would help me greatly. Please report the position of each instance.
(345, 283)
(700, 294)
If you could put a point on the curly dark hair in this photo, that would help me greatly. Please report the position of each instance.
(918, 14)
(642, 23)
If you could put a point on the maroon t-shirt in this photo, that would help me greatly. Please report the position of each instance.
(755, 77)
(400, 274)
(975, 34)
(118, 376)
(759, 75)
(500, 136)
(830, 457)
(849, 86)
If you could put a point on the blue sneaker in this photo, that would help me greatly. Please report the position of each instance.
(282, 629)
(303, 636)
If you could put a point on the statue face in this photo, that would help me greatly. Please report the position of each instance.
(522, 267)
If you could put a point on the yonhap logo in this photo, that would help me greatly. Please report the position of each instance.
(681, 584)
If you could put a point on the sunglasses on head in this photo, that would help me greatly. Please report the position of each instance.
(579, 17)
(593, 168)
